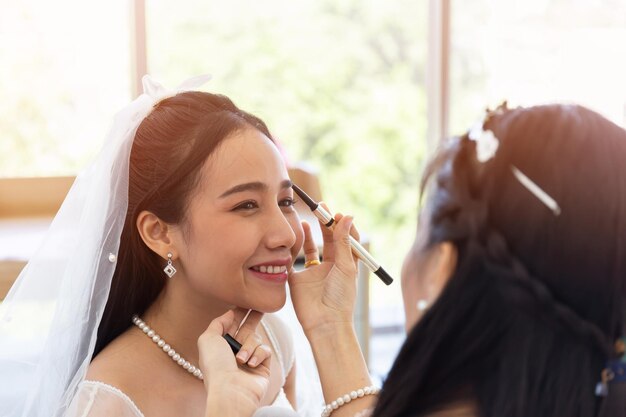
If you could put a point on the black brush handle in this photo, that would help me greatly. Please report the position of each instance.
(234, 345)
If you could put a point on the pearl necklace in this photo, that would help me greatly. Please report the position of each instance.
(167, 348)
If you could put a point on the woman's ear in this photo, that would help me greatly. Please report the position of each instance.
(441, 267)
(156, 234)
(425, 273)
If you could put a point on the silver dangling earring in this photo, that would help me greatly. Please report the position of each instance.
(422, 305)
(169, 269)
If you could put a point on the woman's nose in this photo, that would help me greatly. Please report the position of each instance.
(279, 232)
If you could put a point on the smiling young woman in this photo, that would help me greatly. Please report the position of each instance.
(209, 190)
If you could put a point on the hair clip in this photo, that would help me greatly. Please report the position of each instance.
(536, 191)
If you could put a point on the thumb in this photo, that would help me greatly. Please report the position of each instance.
(212, 335)
(219, 325)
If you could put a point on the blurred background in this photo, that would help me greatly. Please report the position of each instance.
(359, 91)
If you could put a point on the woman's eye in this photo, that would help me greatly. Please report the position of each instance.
(287, 202)
(247, 205)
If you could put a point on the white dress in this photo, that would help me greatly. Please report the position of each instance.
(97, 399)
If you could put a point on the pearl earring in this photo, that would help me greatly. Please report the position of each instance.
(169, 268)
(422, 305)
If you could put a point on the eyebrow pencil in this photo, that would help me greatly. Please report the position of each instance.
(359, 251)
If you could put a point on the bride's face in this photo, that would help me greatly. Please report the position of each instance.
(241, 233)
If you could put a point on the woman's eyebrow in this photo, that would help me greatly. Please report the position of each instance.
(285, 184)
(252, 186)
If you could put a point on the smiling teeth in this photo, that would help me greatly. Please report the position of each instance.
(276, 269)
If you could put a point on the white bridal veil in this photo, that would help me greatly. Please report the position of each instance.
(49, 319)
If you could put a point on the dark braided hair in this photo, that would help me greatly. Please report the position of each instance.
(526, 323)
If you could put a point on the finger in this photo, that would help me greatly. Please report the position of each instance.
(261, 355)
(329, 245)
(212, 335)
(310, 247)
(354, 232)
(248, 347)
(249, 326)
(328, 251)
(344, 259)
(219, 326)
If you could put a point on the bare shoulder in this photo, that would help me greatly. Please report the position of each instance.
(139, 371)
(133, 365)
(117, 363)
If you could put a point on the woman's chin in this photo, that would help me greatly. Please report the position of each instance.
(269, 302)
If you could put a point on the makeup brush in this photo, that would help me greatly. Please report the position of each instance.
(359, 251)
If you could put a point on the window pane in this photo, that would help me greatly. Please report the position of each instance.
(537, 51)
(340, 84)
(64, 72)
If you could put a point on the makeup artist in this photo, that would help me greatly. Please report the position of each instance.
(514, 289)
